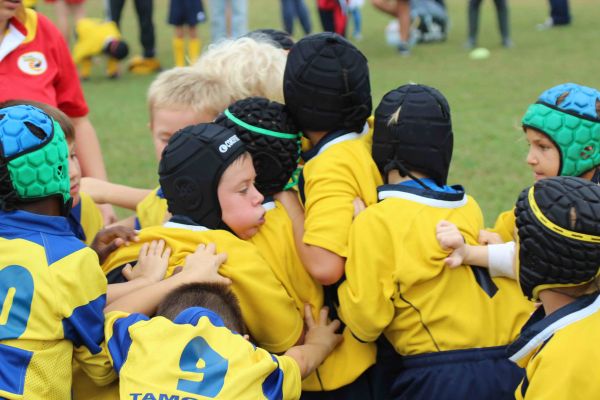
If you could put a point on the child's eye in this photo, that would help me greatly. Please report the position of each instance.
(244, 190)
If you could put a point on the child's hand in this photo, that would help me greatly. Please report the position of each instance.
(359, 206)
(152, 264)
(321, 333)
(450, 239)
(203, 265)
(487, 237)
(109, 239)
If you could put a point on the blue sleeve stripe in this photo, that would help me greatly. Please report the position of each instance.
(120, 341)
(13, 368)
(273, 386)
(85, 326)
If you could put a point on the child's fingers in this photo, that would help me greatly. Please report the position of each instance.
(166, 253)
(211, 248)
(127, 272)
(323, 315)
(152, 249)
(160, 246)
(144, 250)
(334, 325)
(220, 258)
(201, 247)
(222, 280)
(452, 261)
(308, 317)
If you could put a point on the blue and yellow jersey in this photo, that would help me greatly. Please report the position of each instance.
(194, 357)
(421, 305)
(52, 296)
(336, 171)
(560, 353)
(92, 35)
(86, 219)
(261, 295)
(505, 225)
(152, 210)
(275, 241)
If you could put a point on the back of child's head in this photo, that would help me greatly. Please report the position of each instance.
(247, 66)
(33, 158)
(186, 88)
(413, 132)
(116, 48)
(279, 38)
(270, 136)
(326, 84)
(558, 222)
(569, 114)
(215, 297)
(63, 120)
(190, 170)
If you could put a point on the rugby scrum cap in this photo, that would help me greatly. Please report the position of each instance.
(190, 169)
(281, 38)
(413, 132)
(558, 222)
(569, 115)
(116, 48)
(34, 161)
(270, 136)
(326, 84)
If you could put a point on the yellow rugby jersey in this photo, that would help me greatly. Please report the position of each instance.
(505, 225)
(336, 171)
(52, 296)
(421, 305)
(194, 357)
(560, 352)
(275, 241)
(92, 35)
(261, 295)
(152, 210)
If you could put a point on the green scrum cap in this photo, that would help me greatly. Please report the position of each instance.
(568, 115)
(34, 152)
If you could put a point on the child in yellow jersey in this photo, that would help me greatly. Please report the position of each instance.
(563, 132)
(327, 90)
(448, 327)
(199, 329)
(96, 37)
(556, 219)
(271, 137)
(50, 314)
(207, 178)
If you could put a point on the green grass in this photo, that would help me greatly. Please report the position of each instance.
(488, 97)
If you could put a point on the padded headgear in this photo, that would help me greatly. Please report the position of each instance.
(281, 38)
(326, 84)
(568, 115)
(270, 136)
(190, 169)
(558, 222)
(420, 139)
(34, 161)
(116, 48)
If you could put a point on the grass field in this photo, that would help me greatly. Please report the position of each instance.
(488, 97)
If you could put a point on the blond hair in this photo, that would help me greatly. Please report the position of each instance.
(248, 67)
(185, 87)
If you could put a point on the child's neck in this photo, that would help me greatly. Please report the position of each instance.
(394, 177)
(49, 206)
(552, 300)
(315, 137)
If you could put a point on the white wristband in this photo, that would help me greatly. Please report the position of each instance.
(501, 259)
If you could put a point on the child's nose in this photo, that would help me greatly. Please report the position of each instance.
(531, 159)
(258, 197)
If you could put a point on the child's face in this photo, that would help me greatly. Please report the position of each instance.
(241, 203)
(74, 172)
(543, 156)
(166, 121)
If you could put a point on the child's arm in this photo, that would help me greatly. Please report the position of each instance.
(200, 266)
(152, 264)
(323, 265)
(112, 193)
(319, 342)
(497, 257)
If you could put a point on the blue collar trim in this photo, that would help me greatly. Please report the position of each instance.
(15, 221)
(193, 314)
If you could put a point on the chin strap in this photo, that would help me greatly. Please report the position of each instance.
(596, 178)
(404, 172)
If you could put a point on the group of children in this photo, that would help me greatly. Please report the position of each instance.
(300, 250)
